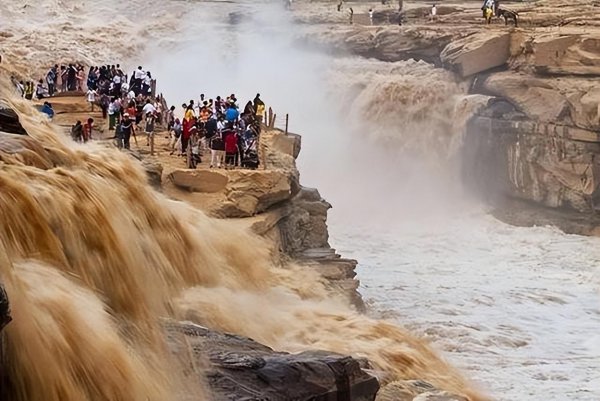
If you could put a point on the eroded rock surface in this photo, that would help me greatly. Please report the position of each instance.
(239, 368)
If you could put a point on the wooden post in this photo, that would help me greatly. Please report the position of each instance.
(270, 117)
(273, 122)
(152, 144)
(287, 121)
(153, 88)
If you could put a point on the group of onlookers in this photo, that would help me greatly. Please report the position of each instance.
(218, 125)
(58, 79)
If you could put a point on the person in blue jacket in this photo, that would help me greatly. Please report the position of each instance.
(232, 114)
(47, 109)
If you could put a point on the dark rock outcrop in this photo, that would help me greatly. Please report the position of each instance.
(239, 368)
(5, 317)
(9, 122)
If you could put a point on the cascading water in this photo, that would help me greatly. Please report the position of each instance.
(95, 257)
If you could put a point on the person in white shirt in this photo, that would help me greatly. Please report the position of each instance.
(91, 97)
(116, 85)
(138, 78)
(433, 12)
(149, 108)
(147, 86)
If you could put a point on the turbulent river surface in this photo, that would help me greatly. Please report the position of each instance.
(516, 307)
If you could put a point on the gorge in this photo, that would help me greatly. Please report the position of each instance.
(387, 140)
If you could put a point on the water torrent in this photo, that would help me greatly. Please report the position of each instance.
(95, 259)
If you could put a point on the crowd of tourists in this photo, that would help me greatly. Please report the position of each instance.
(218, 126)
(126, 103)
(58, 79)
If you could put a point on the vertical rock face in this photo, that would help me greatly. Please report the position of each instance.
(538, 140)
(550, 164)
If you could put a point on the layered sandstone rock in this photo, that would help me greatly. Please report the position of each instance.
(476, 53)
(540, 136)
(238, 193)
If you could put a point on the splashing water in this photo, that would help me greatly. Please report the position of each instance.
(95, 257)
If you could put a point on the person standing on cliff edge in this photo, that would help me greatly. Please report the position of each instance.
(259, 108)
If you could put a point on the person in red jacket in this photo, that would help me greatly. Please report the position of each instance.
(230, 138)
(188, 122)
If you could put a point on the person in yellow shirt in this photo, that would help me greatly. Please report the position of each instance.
(259, 108)
(189, 113)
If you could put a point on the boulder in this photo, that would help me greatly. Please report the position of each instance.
(206, 181)
(237, 193)
(477, 53)
(239, 368)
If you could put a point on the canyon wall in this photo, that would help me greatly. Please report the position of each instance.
(531, 147)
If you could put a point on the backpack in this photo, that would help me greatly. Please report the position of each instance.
(217, 143)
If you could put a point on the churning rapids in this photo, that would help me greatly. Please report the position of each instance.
(517, 308)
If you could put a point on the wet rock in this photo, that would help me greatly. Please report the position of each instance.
(476, 53)
(154, 172)
(306, 226)
(9, 122)
(242, 369)
(5, 317)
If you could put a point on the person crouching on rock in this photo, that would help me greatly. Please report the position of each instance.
(77, 131)
(48, 110)
(87, 129)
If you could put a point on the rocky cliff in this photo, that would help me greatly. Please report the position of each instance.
(535, 138)
(271, 202)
